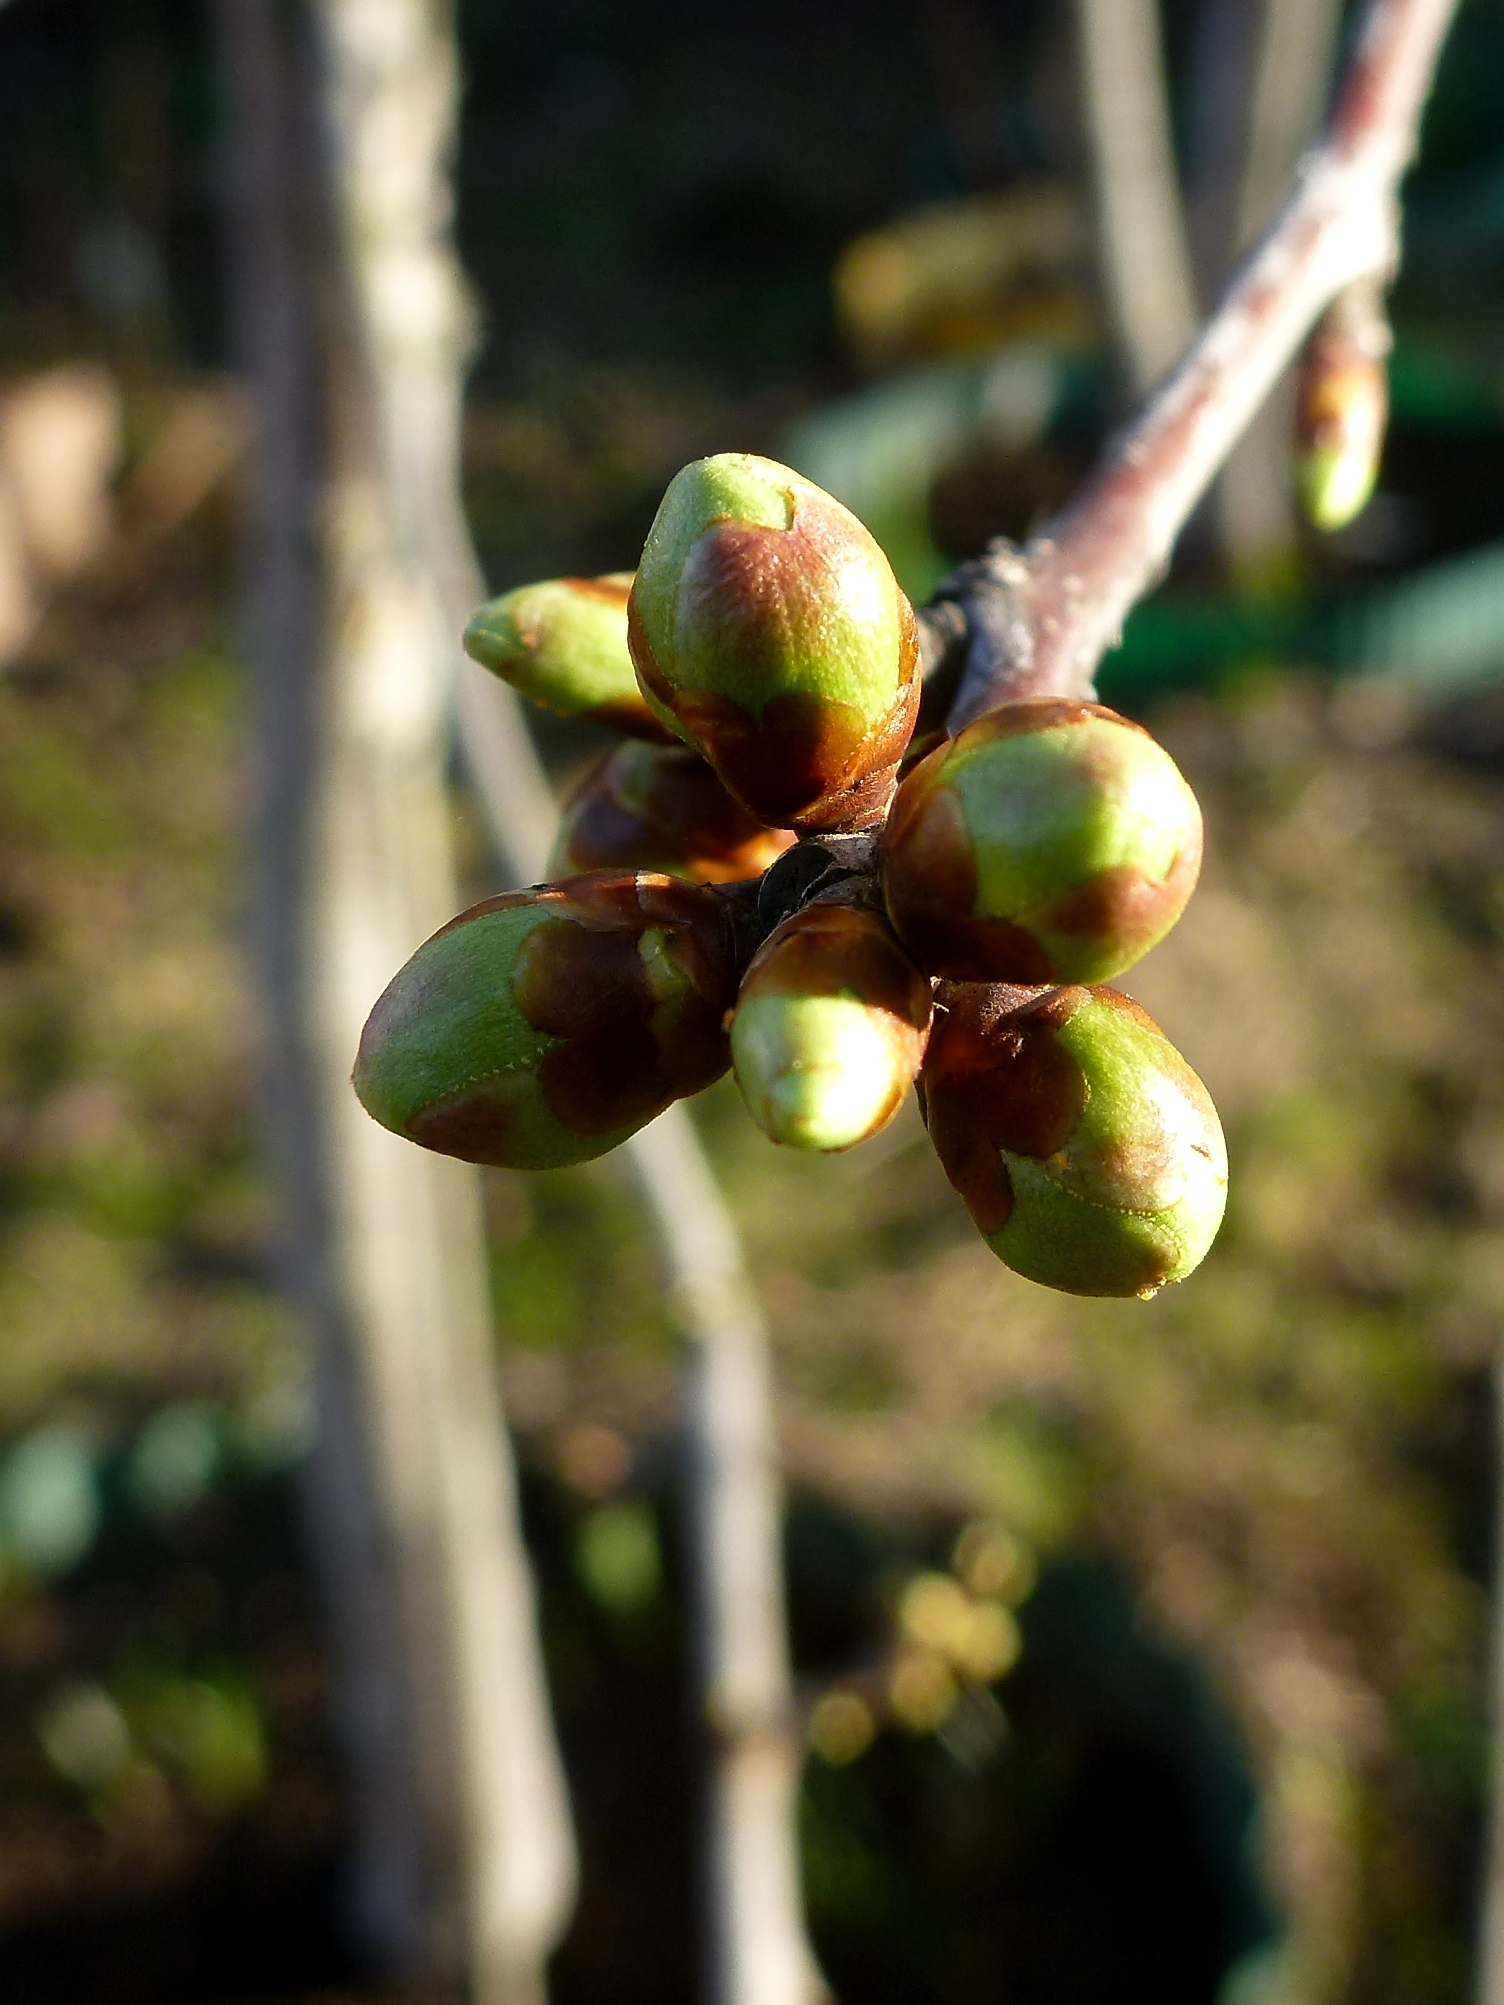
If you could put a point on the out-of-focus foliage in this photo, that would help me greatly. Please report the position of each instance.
(136, 1219)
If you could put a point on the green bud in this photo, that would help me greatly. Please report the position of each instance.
(1342, 414)
(830, 1028)
(1051, 841)
(1088, 1152)
(563, 645)
(768, 630)
(543, 1027)
(660, 807)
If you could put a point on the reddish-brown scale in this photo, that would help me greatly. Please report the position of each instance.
(803, 762)
(1027, 714)
(472, 1127)
(605, 1079)
(605, 834)
(571, 979)
(611, 591)
(1122, 902)
(683, 814)
(827, 949)
(543, 894)
(930, 880)
(580, 977)
(996, 1077)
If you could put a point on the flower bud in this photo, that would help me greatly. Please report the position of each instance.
(1341, 416)
(1088, 1152)
(769, 631)
(543, 1027)
(830, 1028)
(563, 645)
(1051, 841)
(660, 807)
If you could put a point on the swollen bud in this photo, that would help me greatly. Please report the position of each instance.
(1088, 1152)
(563, 645)
(1342, 411)
(830, 1028)
(769, 631)
(543, 1027)
(1051, 841)
(660, 807)
(1344, 408)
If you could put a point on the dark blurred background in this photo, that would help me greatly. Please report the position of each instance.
(1236, 1546)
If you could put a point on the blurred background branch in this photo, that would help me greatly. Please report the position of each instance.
(1146, 260)
(416, 1508)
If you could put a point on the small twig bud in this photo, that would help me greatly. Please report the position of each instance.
(1344, 407)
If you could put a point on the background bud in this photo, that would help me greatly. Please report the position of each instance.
(543, 1027)
(659, 807)
(1341, 416)
(1088, 1152)
(563, 644)
(768, 629)
(1051, 841)
(830, 1028)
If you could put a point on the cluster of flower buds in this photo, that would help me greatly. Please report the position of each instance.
(950, 930)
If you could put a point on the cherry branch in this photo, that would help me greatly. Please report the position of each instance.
(1036, 620)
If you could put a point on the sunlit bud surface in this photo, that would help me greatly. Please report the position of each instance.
(830, 1028)
(1088, 1152)
(769, 631)
(543, 1027)
(1051, 841)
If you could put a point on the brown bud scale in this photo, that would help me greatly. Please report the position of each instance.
(581, 978)
(662, 808)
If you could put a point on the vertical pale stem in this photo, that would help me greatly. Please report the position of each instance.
(761, 1954)
(1145, 256)
(267, 242)
(412, 1229)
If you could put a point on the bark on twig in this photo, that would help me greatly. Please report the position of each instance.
(1040, 619)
